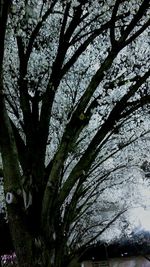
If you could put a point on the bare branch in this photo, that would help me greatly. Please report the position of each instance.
(142, 10)
(106, 227)
(113, 20)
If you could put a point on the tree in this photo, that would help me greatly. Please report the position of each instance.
(64, 66)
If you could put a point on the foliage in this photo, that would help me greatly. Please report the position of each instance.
(73, 95)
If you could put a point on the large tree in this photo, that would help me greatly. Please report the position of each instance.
(65, 66)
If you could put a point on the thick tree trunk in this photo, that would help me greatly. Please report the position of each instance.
(22, 241)
(13, 192)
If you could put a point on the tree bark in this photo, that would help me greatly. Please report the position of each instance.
(12, 184)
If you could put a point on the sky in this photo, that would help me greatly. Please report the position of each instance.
(140, 217)
(141, 214)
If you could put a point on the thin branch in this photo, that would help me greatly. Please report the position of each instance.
(105, 228)
(113, 21)
(4, 10)
(37, 29)
(142, 9)
(137, 33)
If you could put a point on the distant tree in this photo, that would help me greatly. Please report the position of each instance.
(73, 90)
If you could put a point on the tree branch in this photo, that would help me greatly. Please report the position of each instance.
(113, 21)
(104, 229)
(92, 151)
(4, 10)
(37, 29)
(142, 9)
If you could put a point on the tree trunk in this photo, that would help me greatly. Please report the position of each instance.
(22, 241)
